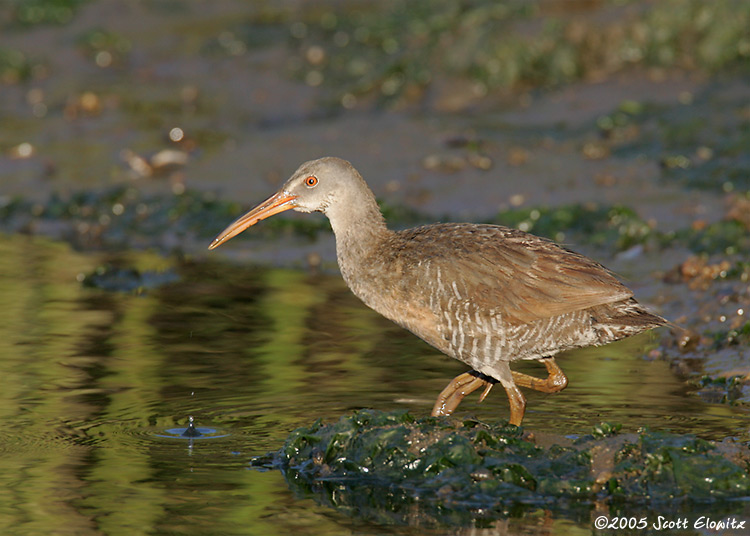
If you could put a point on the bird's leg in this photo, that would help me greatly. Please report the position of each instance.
(468, 382)
(462, 385)
(517, 404)
(486, 391)
(555, 381)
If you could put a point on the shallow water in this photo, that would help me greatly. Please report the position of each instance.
(93, 380)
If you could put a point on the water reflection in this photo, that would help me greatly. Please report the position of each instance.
(91, 377)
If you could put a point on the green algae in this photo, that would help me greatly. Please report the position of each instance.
(125, 216)
(15, 66)
(699, 142)
(472, 466)
(33, 12)
(104, 47)
(396, 52)
(724, 236)
(666, 466)
(122, 216)
(731, 337)
(111, 277)
(617, 227)
(722, 390)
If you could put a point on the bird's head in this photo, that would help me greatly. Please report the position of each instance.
(315, 187)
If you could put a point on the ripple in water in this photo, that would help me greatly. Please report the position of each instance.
(192, 432)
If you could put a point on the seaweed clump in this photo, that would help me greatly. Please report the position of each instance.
(392, 462)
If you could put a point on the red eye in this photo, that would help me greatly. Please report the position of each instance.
(311, 181)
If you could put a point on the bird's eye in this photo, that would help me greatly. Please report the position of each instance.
(311, 181)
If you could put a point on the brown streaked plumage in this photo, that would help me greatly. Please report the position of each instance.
(483, 294)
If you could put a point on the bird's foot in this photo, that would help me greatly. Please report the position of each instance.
(554, 382)
(461, 386)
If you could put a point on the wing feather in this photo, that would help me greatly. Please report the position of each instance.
(521, 276)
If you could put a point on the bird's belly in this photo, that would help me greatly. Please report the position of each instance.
(476, 335)
(480, 340)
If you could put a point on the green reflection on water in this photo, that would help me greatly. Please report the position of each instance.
(90, 377)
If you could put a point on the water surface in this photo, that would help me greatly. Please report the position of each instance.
(94, 379)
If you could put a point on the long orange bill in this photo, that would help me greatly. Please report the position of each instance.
(279, 202)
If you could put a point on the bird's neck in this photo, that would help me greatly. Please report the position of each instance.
(360, 232)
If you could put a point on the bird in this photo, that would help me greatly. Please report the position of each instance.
(487, 295)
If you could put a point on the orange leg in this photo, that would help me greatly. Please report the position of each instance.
(555, 381)
(462, 385)
(468, 382)
(517, 404)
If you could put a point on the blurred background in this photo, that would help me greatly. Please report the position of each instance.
(132, 132)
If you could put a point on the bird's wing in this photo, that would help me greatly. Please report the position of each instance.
(522, 277)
